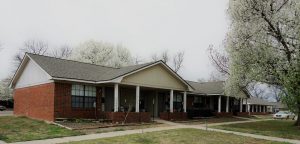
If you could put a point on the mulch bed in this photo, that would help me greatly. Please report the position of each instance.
(95, 124)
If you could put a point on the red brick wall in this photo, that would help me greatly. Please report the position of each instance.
(63, 103)
(242, 114)
(259, 113)
(173, 116)
(223, 114)
(133, 117)
(35, 101)
(251, 113)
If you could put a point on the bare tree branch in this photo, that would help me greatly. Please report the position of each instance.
(63, 52)
(219, 60)
(165, 56)
(31, 46)
(178, 60)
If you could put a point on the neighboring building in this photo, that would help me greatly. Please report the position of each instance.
(257, 106)
(277, 106)
(208, 98)
(49, 88)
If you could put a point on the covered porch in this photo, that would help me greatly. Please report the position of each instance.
(127, 103)
(212, 105)
(152, 91)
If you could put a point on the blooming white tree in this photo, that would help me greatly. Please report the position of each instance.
(5, 91)
(102, 53)
(264, 46)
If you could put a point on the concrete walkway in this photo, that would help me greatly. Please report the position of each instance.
(172, 126)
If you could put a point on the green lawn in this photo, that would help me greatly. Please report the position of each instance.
(178, 136)
(14, 129)
(276, 128)
(211, 120)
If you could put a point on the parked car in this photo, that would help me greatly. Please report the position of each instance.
(2, 108)
(284, 115)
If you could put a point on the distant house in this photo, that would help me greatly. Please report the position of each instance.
(277, 106)
(49, 88)
(257, 106)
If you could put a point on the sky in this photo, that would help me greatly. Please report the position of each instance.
(144, 27)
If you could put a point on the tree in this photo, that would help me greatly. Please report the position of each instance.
(178, 61)
(102, 53)
(264, 46)
(164, 56)
(5, 91)
(31, 46)
(63, 52)
(220, 60)
(276, 91)
(258, 90)
(41, 48)
(137, 60)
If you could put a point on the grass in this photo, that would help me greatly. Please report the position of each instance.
(120, 128)
(14, 129)
(211, 120)
(178, 136)
(276, 128)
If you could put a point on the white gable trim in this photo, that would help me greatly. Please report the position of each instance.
(21, 68)
(49, 77)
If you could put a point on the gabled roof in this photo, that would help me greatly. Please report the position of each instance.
(69, 70)
(62, 68)
(212, 88)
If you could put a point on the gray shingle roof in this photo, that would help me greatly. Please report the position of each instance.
(208, 87)
(61, 68)
(279, 105)
(257, 101)
(213, 88)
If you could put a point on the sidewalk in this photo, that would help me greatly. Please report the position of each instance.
(172, 126)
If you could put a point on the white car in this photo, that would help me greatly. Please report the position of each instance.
(284, 115)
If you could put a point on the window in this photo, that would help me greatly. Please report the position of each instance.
(177, 102)
(83, 96)
(197, 99)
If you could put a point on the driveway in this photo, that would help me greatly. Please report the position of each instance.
(6, 113)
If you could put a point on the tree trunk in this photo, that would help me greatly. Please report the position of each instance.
(298, 119)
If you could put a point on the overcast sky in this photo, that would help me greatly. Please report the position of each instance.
(144, 27)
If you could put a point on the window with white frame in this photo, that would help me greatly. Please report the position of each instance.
(83, 96)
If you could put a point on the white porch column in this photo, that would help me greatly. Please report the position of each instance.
(241, 105)
(252, 108)
(171, 101)
(184, 101)
(256, 108)
(260, 108)
(116, 98)
(263, 109)
(227, 104)
(247, 106)
(219, 104)
(137, 99)
(266, 109)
